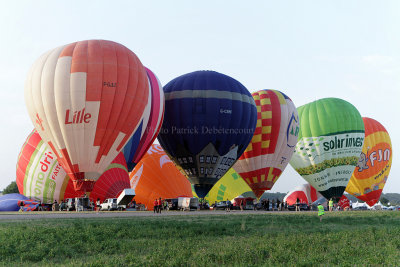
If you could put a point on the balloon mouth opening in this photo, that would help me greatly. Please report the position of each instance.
(84, 185)
(202, 190)
(131, 166)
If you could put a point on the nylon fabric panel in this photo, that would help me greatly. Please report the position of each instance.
(49, 104)
(23, 160)
(131, 147)
(107, 97)
(33, 95)
(156, 115)
(231, 185)
(78, 103)
(140, 99)
(64, 109)
(146, 134)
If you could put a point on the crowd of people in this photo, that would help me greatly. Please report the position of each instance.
(159, 205)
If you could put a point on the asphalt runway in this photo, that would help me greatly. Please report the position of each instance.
(122, 214)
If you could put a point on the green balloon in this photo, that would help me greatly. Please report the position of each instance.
(330, 142)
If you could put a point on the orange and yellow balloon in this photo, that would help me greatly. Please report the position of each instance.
(156, 176)
(373, 167)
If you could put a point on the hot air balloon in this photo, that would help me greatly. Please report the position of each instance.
(156, 176)
(373, 167)
(229, 186)
(330, 142)
(305, 193)
(272, 145)
(86, 100)
(41, 177)
(148, 130)
(209, 121)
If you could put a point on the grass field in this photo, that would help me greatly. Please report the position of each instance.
(277, 239)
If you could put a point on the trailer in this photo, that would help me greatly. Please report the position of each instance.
(183, 203)
(83, 204)
(125, 197)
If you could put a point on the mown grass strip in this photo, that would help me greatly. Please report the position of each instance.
(343, 238)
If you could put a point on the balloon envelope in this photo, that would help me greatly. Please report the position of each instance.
(209, 121)
(148, 130)
(229, 186)
(41, 177)
(273, 142)
(9, 202)
(344, 202)
(330, 142)
(86, 100)
(305, 193)
(373, 167)
(156, 176)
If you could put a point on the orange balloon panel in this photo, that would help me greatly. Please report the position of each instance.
(156, 176)
(373, 167)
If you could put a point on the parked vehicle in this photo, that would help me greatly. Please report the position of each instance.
(70, 204)
(172, 203)
(360, 208)
(247, 202)
(194, 203)
(82, 204)
(109, 204)
(222, 205)
(303, 206)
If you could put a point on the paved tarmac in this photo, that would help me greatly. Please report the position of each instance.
(116, 214)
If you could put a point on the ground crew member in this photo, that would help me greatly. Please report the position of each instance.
(320, 211)
(155, 204)
(330, 204)
(159, 205)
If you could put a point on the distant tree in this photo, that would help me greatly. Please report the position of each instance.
(384, 201)
(11, 188)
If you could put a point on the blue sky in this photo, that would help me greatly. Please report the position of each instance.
(306, 49)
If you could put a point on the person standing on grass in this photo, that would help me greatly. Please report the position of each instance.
(159, 205)
(228, 205)
(98, 205)
(321, 211)
(155, 204)
(297, 204)
(330, 204)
